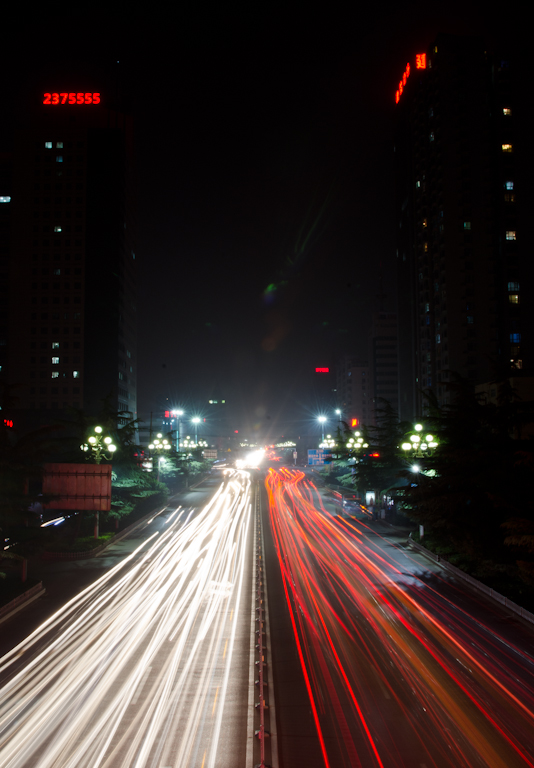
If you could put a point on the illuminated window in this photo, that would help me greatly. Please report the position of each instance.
(59, 145)
(418, 184)
(509, 197)
(425, 223)
(506, 147)
(57, 228)
(513, 298)
(425, 247)
(467, 225)
(55, 345)
(508, 184)
(59, 158)
(515, 338)
(5, 199)
(76, 374)
(432, 137)
(511, 234)
(55, 361)
(507, 111)
(470, 319)
(48, 145)
(513, 285)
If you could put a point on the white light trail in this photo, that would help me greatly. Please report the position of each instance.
(133, 672)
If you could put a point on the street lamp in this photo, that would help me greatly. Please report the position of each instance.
(328, 443)
(322, 420)
(196, 422)
(159, 447)
(98, 447)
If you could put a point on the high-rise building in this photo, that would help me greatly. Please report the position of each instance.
(459, 238)
(71, 317)
(354, 396)
(383, 363)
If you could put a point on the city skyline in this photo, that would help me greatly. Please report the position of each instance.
(265, 210)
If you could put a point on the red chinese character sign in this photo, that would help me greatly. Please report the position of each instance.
(420, 63)
(71, 98)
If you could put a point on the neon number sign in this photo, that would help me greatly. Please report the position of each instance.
(322, 370)
(71, 98)
(420, 63)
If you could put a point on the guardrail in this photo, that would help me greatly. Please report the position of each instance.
(478, 585)
(261, 733)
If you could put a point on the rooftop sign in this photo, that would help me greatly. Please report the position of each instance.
(71, 98)
(420, 63)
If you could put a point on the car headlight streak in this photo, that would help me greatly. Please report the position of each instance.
(108, 691)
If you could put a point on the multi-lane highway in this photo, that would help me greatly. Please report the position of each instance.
(397, 673)
(377, 660)
(148, 666)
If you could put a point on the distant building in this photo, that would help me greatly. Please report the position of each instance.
(354, 395)
(71, 269)
(383, 361)
(461, 279)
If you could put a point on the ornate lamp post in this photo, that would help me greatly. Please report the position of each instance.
(101, 447)
(419, 446)
(97, 448)
(159, 447)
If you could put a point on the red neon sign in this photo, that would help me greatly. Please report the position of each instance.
(322, 370)
(8, 423)
(420, 60)
(420, 63)
(71, 98)
(354, 422)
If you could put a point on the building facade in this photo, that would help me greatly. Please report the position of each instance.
(72, 317)
(354, 391)
(460, 281)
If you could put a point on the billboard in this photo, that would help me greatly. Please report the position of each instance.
(78, 486)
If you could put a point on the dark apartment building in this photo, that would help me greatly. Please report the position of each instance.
(461, 280)
(354, 396)
(69, 258)
(383, 362)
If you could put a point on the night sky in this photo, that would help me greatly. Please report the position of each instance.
(265, 218)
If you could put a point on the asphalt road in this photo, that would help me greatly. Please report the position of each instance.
(147, 663)
(381, 660)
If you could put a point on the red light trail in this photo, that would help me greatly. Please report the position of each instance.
(401, 675)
